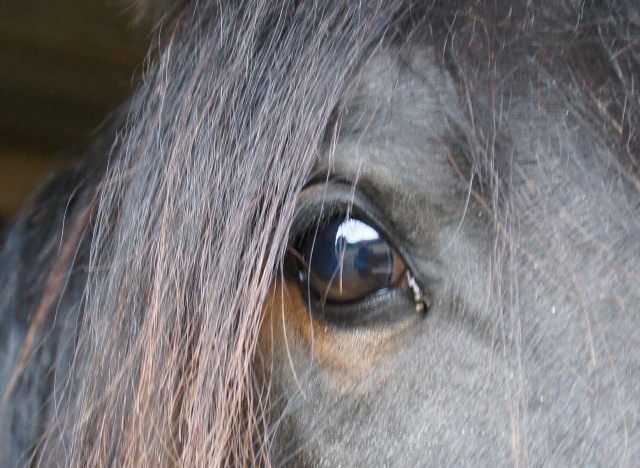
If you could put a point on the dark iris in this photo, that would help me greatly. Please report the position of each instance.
(348, 260)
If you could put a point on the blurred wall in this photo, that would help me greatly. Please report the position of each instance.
(64, 65)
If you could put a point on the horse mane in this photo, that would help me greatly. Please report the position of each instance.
(192, 215)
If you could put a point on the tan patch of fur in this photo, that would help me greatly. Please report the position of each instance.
(348, 355)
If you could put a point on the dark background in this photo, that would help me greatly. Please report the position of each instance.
(64, 65)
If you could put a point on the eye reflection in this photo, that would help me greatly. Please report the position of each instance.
(348, 260)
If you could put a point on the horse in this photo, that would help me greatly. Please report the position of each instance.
(337, 233)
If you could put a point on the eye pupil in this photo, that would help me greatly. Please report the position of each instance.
(347, 260)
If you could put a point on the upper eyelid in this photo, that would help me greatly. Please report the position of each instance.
(326, 199)
(357, 181)
(326, 176)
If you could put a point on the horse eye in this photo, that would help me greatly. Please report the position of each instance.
(346, 260)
